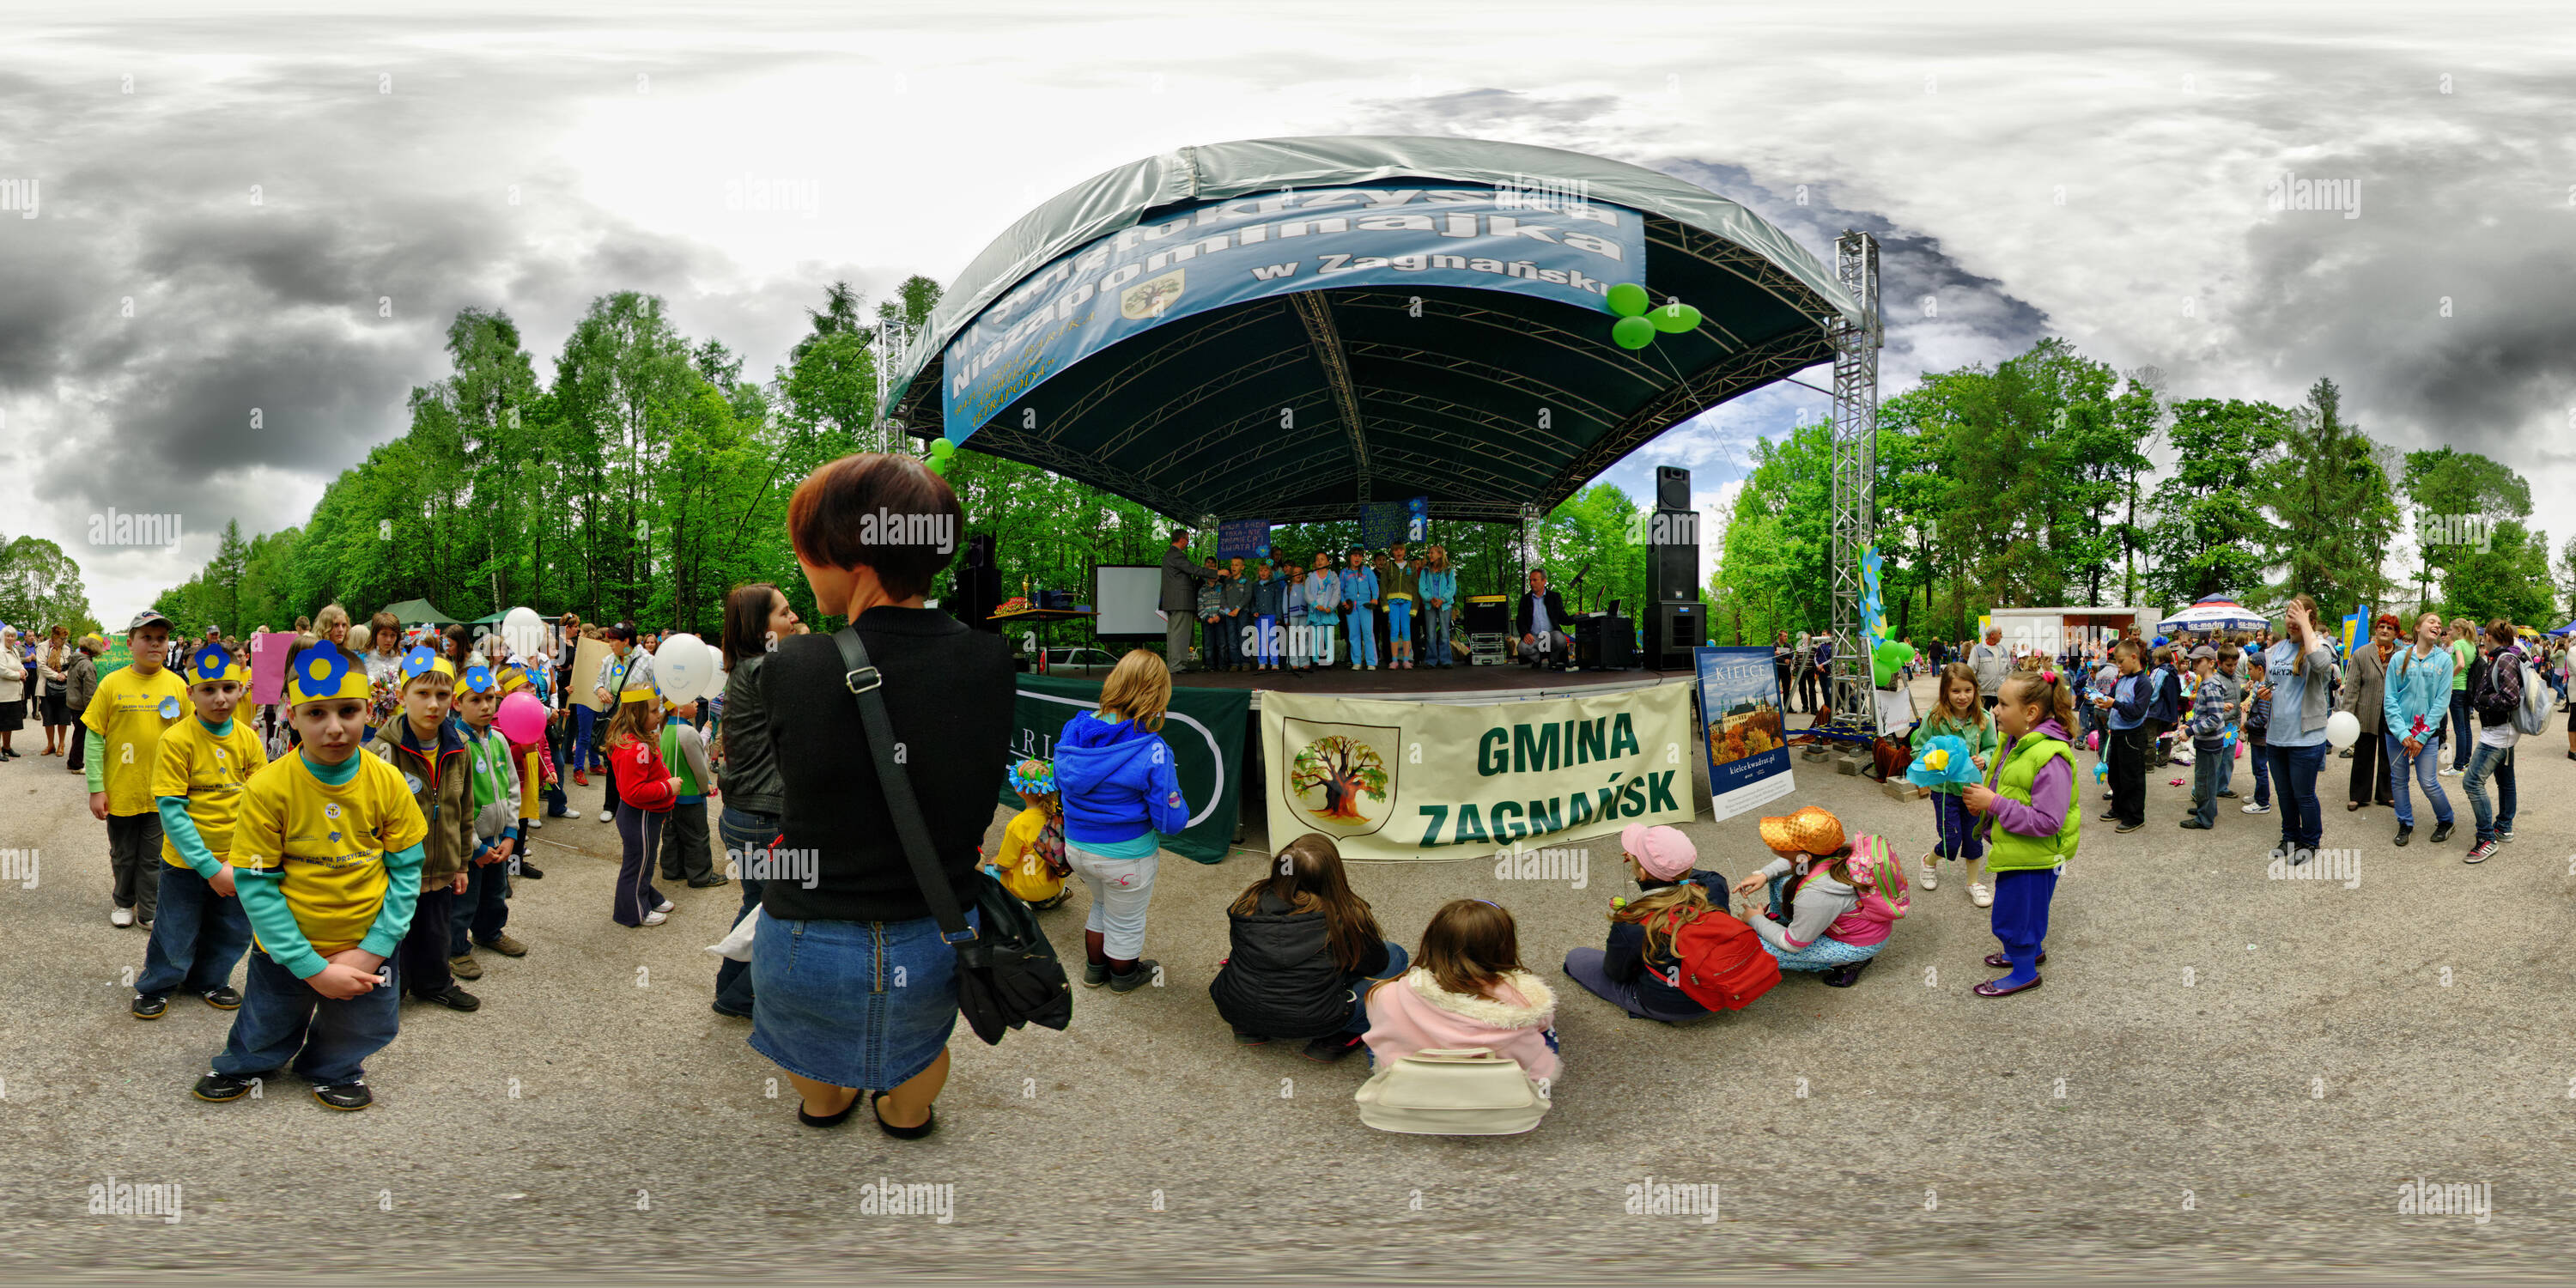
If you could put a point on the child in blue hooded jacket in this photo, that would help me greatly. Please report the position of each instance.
(1116, 779)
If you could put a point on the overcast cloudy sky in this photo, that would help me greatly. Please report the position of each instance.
(280, 207)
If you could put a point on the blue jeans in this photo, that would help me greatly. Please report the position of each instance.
(742, 831)
(2226, 767)
(2205, 760)
(2424, 766)
(196, 937)
(2262, 763)
(1435, 633)
(1265, 638)
(2484, 763)
(1396, 962)
(583, 752)
(328, 1041)
(854, 1003)
(2294, 774)
(1363, 637)
(484, 908)
(2464, 733)
(1957, 828)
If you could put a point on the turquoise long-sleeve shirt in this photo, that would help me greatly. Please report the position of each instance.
(1440, 584)
(2418, 686)
(1359, 586)
(263, 899)
(181, 829)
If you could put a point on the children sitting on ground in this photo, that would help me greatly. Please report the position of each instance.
(1121, 794)
(1832, 898)
(426, 743)
(1679, 904)
(1959, 715)
(326, 857)
(483, 907)
(685, 852)
(1466, 989)
(2037, 822)
(2213, 702)
(1031, 860)
(1303, 950)
(646, 790)
(197, 781)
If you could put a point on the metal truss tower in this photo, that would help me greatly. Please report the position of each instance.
(1855, 493)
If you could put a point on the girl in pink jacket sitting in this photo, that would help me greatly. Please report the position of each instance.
(1466, 989)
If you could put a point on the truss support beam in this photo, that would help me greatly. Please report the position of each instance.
(1326, 339)
(1855, 487)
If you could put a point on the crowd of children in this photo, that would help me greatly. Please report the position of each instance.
(1391, 611)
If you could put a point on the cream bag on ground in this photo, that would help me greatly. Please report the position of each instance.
(1452, 1092)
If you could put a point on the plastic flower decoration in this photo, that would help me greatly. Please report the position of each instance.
(419, 660)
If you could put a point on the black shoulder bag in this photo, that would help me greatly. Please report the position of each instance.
(1008, 974)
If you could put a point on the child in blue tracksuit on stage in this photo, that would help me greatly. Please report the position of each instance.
(1269, 609)
(1359, 597)
(1323, 611)
(1439, 588)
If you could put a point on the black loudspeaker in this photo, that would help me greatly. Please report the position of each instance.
(1672, 488)
(1672, 631)
(1672, 570)
(979, 584)
(1606, 642)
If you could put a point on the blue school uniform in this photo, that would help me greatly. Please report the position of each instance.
(1359, 585)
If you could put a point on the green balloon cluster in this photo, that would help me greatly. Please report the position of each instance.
(1640, 319)
(940, 451)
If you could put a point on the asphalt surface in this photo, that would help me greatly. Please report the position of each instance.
(2226, 1076)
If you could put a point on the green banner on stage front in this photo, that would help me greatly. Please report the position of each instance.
(1204, 727)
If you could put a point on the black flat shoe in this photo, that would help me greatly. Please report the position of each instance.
(2405, 834)
(834, 1120)
(148, 1007)
(1846, 976)
(224, 1088)
(928, 1125)
(347, 1097)
(531, 871)
(222, 997)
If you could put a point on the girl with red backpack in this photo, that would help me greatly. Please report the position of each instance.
(1838, 897)
(1640, 970)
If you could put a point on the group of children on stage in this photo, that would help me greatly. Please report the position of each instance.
(1288, 617)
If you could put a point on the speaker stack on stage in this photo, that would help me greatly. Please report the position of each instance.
(1676, 621)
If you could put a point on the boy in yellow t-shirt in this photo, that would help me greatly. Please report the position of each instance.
(326, 858)
(197, 781)
(125, 719)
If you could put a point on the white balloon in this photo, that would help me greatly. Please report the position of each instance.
(716, 677)
(524, 631)
(2342, 729)
(680, 666)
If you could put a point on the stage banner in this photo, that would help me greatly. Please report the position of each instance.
(269, 654)
(1243, 539)
(1428, 780)
(1748, 753)
(1225, 252)
(1383, 523)
(1204, 729)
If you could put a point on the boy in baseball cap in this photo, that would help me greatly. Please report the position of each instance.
(125, 719)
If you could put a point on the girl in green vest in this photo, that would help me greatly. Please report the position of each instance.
(2030, 799)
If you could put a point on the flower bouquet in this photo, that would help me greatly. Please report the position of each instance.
(1946, 765)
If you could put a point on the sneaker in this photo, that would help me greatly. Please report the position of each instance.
(464, 966)
(1981, 894)
(222, 1088)
(2441, 831)
(148, 1007)
(656, 918)
(537, 822)
(531, 871)
(2258, 807)
(222, 997)
(347, 1097)
(607, 816)
(2405, 834)
(2448, 772)
(707, 882)
(1135, 979)
(1242, 1038)
(2130, 827)
(2477, 853)
(1094, 974)
(2228, 795)
(2195, 824)
(454, 999)
(563, 811)
(666, 906)
(1931, 873)
(2504, 834)
(120, 917)
(1326, 1050)
(504, 945)
(580, 779)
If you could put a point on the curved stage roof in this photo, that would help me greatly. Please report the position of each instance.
(1154, 331)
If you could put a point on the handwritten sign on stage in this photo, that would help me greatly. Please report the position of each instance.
(1384, 523)
(270, 651)
(1748, 750)
(1428, 780)
(1243, 539)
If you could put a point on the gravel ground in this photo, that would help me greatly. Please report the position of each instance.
(2226, 1077)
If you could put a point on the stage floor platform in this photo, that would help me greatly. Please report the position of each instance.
(1464, 685)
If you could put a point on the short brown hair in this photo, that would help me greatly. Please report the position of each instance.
(1470, 945)
(1139, 688)
(832, 518)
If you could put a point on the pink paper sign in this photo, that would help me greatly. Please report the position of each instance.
(269, 653)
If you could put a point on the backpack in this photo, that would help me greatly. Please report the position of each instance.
(1464, 1091)
(2531, 715)
(1720, 963)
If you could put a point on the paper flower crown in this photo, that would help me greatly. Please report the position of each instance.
(215, 663)
(322, 673)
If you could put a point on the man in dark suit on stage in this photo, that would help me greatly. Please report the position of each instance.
(1180, 600)
(1541, 623)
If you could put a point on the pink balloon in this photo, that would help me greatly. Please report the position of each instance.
(522, 718)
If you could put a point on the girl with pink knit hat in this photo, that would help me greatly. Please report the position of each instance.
(1634, 971)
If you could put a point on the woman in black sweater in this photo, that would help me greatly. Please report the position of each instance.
(853, 987)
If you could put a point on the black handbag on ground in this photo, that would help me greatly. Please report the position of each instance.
(1007, 973)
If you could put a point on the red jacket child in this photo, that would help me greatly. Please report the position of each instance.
(642, 780)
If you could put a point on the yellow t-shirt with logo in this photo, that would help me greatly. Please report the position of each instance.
(211, 773)
(329, 842)
(127, 715)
